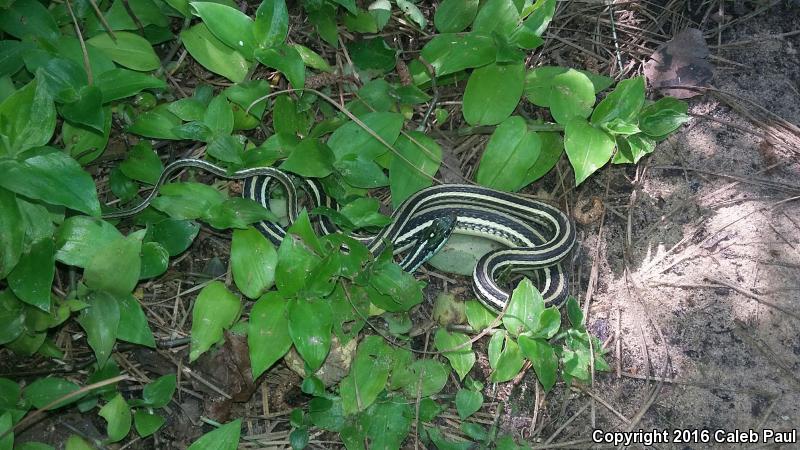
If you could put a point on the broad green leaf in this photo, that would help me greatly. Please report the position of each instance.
(100, 320)
(118, 417)
(226, 147)
(213, 54)
(7, 439)
(381, 11)
(373, 54)
(442, 443)
(285, 59)
(158, 123)
(27, 119)
(75, 442)
(147, 423)
(158, 393)
(468, 402)
(215, 310)
(87, 110)
(509, 361)
(453, 16)
(496, 16)
(541, 13)
(412, 12)
(245, 94)
(547, 325)
(310, 329)
(568, 93)
(389, 279)
(368, 375)
(237, 212)
(12, 316)
(363, 212)
(543, 358)
(219, 116)
(575, 314)
(524, 308)
(29, 18)
(587, 147)
(11, 54)
(79, 237)
(231, 26)
(142, 164)
(311, 158)
(268, 334)
(492, 93)
(188, 109)
(271, 24)
(225, 437)
(34, 446)
(32, 278)
(11, 238)
(624, 102)
(462, 359)
(187, 200)
(312, 59)
(63, 78)
(511, 150)
(551, 150)
(630, 149)
(352, 139)
(295, 261)
(44, 391)
(174, 235)
(54, 178)
(253, 260)
(478, 316)
(360, 172)
(324, 20)
(663, 117)
(155, 259)
(387, 423)
(133, 326)
(415, 160)
(129, 50)
(450, 53)
(85, 144)
(115, 266)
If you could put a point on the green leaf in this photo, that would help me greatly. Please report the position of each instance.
(87, 110)
(478, 316)
(387, 423)
(453, 16)
(389, 279)
(310, 159)
(541, 13)
(492, 93)
(271, 24)
(12, 237)
(543, 358)
(155, 259)
(547, 325)
(76, 443)
(568, 93)
(11, 54)
(443, 444)
(496, 16)
(324, 20)
(237, 213)
(663, 117)
(574, 313)
(86, 144)
(509, 361)
(213, 54)
(63, 78)
(587, 147)
(412, 12)
(115, 266)
(246, 94)
(310, 329)
(219, 116)
(174, 235)
(468, 402)
(525, 307)
(133, 326)
(226, 148)
(158, 123)
(225, 437)
(100, 321)
(360, 172)
(368, 375)
(624, 102)
(12, 316)
(28, 18)
(7, 440)
(253, 260)
(189, 109)
(363, 212)
(142, 164)
(43, 391)
(450, 53)
(632, 148)
(312, 59)
(27, 119)
(158, 393)
(551, 150)
(79, 237)
(268, 334)
(511, 150)
(231, 26)
(295, 262)
(422, 157)
(381, 11)
(54, 178)
(285, 59)
(33, 446)
(215, 310)
(352, 139)
(462, 359)
(147, 423)
(373, 54)
(187, 200)
(129, 50)
(118, 416)
(32, 278)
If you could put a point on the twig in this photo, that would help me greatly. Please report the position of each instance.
(86, 64)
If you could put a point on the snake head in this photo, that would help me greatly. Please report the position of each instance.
(429, 241)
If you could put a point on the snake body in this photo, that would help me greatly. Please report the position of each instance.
(538, 235)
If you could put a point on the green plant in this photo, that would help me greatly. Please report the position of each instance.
(72, 81)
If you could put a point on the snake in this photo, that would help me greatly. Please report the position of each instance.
(536, 235)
